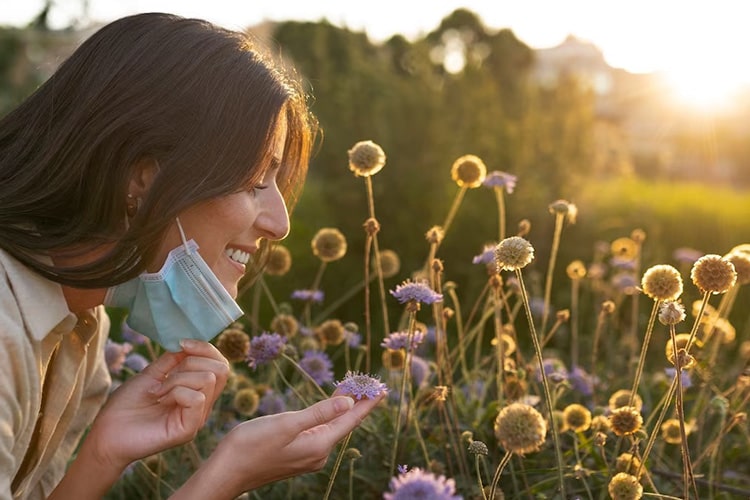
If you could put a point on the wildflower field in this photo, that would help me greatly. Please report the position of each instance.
(618, 378)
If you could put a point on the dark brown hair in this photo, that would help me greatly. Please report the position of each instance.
(200, 100)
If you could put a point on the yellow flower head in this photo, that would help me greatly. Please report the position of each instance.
(279, 261)
(623, 486)
(234, 344)
(741, 262)
(468, 171)
(577, 417)
(576, 270)
(390, 263)
(624, 248)
(625, 420)
(621, 398)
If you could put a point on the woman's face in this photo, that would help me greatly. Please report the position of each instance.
(229, 229)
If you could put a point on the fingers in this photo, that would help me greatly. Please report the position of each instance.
(347, 422)
(320, 413)
(192, 405)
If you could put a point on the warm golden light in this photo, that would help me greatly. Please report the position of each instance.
(706, 89)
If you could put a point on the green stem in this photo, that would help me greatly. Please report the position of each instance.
(559, 218)
(479, 476)
(402, 392)
(500, 211)
(454, 209)
(498, 472)
(337, 465)
(644, 349)
(545, 384)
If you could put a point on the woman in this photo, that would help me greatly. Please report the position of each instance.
(160, 158)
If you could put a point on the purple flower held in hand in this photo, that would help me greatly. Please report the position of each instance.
(418, 483)
(360, 386)
(265, 348)
(318, 365)
(416, 291)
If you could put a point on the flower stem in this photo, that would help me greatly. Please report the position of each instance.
(479, 476)
(559, 219)
(500, 211)
(402, 392)
(454, 208)
(498, 472)
(644, 349)
(337, 465)
(545, 383)
(305, 374)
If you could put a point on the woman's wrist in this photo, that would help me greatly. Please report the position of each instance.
(89, 476)
(215, 478)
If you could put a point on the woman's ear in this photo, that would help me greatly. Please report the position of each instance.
(142, 177)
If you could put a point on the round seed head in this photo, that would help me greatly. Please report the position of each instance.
(279, 261)
(623, 486)
(246, 401)
(628, 463)
(390, 263)
(577, 417)
(624, 248)
(662, 282)
(670, 431)
(234, 344)
(671, 313)
(513, 253)
(621, 398)
(329, 244)
(713, 273)
(285, 324)
(330, 332)
(468, 171)
(478, 448)
(520, 428)
(576, 270)
(625, 420)
(366, 158)
(741, 262)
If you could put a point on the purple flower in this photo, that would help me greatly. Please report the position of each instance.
(416, 291)
(581, 381)
(398, 340)
(487, 256)
(265, 348)
(271, 403)
(136, 362)
(318, 365)
(353, 339)
(131, 336)
(315, 296)
(418, 483)
(420, 371)
(555, 370)
(402, 469)
(685, 255)
(498, 179)
(361, 386)
(114, 355)
(684, 379)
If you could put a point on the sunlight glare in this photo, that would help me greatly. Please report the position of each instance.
(705, 89)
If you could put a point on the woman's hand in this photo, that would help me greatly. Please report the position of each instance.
(163, 406)
(275, 447)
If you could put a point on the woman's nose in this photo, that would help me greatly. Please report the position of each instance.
(273, 221)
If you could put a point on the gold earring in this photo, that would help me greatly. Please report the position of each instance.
(132, 205)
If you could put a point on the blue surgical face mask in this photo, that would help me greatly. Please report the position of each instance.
(184, 300)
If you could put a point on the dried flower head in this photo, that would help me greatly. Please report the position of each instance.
(234, 344)
(498, 180)
(629, 463)
(621, 398)
(329, 244)
(713, 273)
(600, 423)
(576, 270)
(418, 483)
(681, 339)
(468, 171)
(372, 226)
(358, 385)
(625, 420)
(246, 401)
(670, 431)
(671, 313)
(366, 158)
(330, 332)
(507, 341)
(741, 262)
(416, 291)
(435, 235)
(623, 486)
(624, 248)
(394, 359)
(662, 282)
(390, 263)
(577, 417)
(279, 261)
(285, 324)
(719, 327)
(608, 307)
(478, 448)
(264, 348)
(513, 253)
(566, 208)
(520, 428)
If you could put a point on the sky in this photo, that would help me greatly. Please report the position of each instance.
(697, 42)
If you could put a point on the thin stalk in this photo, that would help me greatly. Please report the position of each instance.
(454, 208)
(402, 392)
(460, 331)
(368, 321)
(289, 384)
(499, 196)
(305, 374)
(479, 476)
(574, 292)
(545, 383)
(498, 472)
(559, 219)
(337, 465)
(315, 285)
(644, 349)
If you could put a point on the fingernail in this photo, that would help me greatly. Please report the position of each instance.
(343, 404)
(188, 343)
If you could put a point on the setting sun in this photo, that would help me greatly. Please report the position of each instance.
(706, 87)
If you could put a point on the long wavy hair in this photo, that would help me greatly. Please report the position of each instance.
(200, 100)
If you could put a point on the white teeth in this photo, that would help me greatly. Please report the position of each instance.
(237, 255)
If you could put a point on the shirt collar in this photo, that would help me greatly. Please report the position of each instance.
(40, 301)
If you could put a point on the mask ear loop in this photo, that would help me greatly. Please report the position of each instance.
(182, 235)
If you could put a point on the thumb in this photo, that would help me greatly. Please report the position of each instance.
(321, 412)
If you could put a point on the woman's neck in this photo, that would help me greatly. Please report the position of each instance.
(81, 299)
